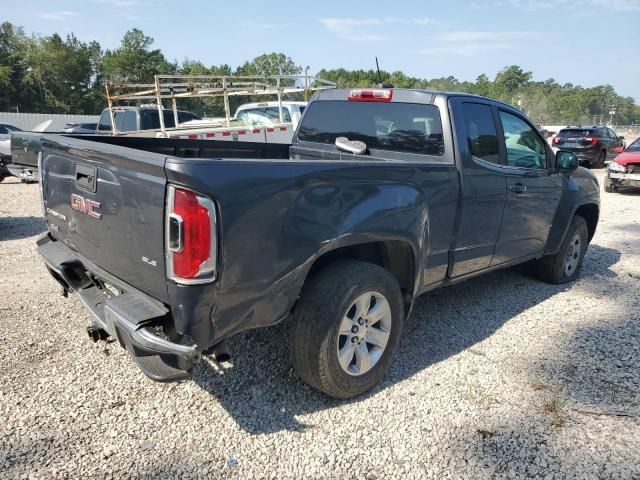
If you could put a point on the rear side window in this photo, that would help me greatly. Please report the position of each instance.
(119, 118)
(482, 137)
(129, 121)
(400, 127)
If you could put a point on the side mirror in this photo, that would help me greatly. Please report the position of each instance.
(618, 149)
(566, 161)
(620, 137)
(352, 146)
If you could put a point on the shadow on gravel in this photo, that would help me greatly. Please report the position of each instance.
(594, 378)
(14, 228)
(628, 191)
(263, 394)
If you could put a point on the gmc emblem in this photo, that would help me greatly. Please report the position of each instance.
(85, 205)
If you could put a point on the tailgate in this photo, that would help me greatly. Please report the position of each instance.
(107, 203)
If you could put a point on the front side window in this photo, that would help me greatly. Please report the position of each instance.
(612, 134)
(400, 127)
(524, 147)
(482, 138)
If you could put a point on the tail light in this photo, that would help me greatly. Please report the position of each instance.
(370, 95)
(593, 140)
(191, 243)
(556, 140)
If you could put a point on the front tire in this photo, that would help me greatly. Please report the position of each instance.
(346, 328)
(564, 266)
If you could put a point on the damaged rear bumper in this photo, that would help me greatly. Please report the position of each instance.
(132, 317)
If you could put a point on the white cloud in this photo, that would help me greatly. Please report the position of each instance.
(619, 5)
(537, 5)
(58, 16)
(372, 28)
(469, 43)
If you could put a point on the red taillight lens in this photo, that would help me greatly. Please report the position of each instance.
(556, 140)
(593, 140)
(370, 95)
(191, 242)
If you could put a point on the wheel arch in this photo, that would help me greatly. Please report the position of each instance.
(590, 212)
(398, 257)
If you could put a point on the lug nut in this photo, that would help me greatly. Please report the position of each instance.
(360, 321)
(354, 329)
(354, 339)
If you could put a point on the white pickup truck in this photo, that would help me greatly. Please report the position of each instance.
(253, 122)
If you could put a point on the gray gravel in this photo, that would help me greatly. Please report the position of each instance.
(499, 377)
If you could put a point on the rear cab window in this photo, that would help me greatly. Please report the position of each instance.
(411, 128)
(575, 132)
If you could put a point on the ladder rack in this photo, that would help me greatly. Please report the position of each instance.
(175, 87)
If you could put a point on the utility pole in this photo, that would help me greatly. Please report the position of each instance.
(612, 112)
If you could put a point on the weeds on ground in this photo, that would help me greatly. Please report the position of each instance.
(481, 397)
(554, 407)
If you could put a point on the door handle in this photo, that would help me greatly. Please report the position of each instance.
(518, 188)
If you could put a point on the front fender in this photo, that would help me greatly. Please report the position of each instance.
(580, 188)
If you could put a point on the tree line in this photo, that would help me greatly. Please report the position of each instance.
(51, 74)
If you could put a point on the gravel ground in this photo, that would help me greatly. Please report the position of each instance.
(499, 377)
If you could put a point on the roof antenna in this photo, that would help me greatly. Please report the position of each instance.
(381, 84)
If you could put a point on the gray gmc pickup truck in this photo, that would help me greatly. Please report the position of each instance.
(384, 194)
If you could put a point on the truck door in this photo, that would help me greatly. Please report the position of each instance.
(483, 185)
(533, 189)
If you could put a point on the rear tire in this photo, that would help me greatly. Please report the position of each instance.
(346, 328)
(601, 159)
(564, 266)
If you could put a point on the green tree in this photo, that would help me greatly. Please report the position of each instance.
(509, 81)
(134, 61)
(270, 64)
(14, 45)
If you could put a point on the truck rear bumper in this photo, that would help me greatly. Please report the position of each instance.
(131, 317)
(28, 174)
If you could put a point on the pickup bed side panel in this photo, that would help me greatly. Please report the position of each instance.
(277, 217)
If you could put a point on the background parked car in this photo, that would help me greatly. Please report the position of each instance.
(5, 148)
(624, 170)
(592, 144)
(80, 128)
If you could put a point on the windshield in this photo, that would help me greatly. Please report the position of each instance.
(400, 127)
(267, 116)
(635, 146)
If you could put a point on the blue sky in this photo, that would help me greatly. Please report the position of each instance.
(585, 42)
